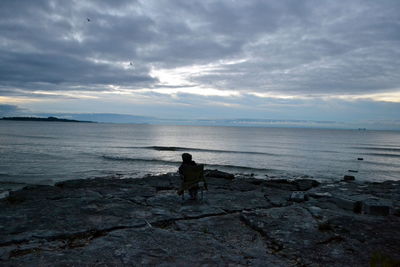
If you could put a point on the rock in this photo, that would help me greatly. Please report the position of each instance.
(298, 196)
(31, 193)
(288, 231)
(237, 201)
(243, 185)
(305, 184)
(255, 181)
(108, 222)
(320, 194)
(214, 241)
(218, 183)
(347, 203)
(295, 185)
(315, 211)
(281, 184)
(376, 206)
(348, 178)
(4, 194)
(229, 230)
(277, 197)
(325, 226)
(218, 174)
(396, 212)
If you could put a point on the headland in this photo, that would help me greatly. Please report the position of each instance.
(52, 119)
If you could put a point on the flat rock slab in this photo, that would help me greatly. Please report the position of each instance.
(201, 242)
(118, 222)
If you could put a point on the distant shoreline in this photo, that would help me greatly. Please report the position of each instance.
(55, 119)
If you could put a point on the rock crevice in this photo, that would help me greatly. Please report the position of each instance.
(239, 222)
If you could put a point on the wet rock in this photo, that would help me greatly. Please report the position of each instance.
(218, 174)
(281, 184)
(348, 178)
(305, 184)
(32, 193)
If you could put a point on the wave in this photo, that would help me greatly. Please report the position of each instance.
(30, 136)
(392, 165)
(117, 158)
(176, 148)
(237, 167)
(379, 149)
(383, 155)
(176, 163)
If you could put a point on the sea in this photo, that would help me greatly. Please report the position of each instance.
(49, 152)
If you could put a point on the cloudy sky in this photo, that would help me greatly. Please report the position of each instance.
(317, 60)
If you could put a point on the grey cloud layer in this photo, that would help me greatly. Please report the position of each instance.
(290, 47)
(10, 110)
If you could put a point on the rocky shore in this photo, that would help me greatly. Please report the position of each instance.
(276, 222)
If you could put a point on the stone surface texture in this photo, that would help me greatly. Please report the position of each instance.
(239, 222)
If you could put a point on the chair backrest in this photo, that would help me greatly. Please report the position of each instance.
(193, 173)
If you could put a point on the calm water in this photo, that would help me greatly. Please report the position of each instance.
(45, 152)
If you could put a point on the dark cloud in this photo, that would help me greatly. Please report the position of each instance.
(290, 47)
(26, 68)
(10, 110)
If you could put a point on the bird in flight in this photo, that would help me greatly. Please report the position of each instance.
(88, 19)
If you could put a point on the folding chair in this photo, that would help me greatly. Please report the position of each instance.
(192, 176)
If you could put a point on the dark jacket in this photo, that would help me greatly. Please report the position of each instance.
(190, 163)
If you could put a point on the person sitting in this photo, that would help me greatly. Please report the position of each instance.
(191, 174)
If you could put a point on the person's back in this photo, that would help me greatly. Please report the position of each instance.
(187, 163)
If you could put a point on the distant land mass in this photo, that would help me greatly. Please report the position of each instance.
(125, 118)
(241, 122)
(40, 119)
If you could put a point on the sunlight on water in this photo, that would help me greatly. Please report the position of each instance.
(45, 152)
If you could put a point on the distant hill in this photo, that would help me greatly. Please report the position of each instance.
(40, 119)
(106, 117)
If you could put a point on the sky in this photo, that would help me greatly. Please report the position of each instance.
(288, 60)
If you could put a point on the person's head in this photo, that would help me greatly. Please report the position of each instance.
(186, 157)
